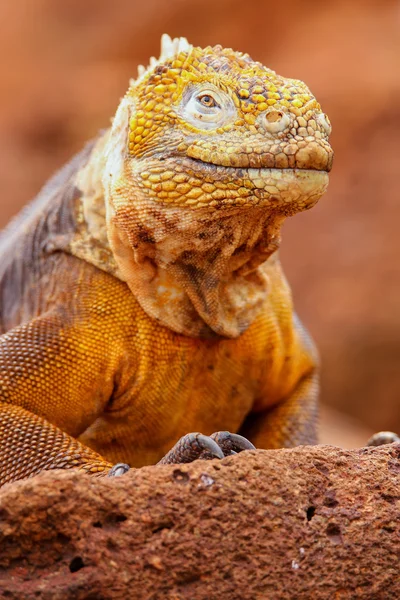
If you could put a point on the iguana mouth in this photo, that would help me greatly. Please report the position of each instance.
(192, 182)
(314, 156)
(247, 169)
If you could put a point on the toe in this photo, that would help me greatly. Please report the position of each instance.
(231, 443)
(118, 470)
(383, 437)
(190, 447)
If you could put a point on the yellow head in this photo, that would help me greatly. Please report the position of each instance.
(211, 127)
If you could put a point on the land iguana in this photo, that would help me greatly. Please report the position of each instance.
(141, 294)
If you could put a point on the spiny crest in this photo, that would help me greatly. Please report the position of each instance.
(224, 62)
(170, 49)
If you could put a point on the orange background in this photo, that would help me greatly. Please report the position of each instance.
(64, 66)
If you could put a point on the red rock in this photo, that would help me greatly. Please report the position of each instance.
(311, 522)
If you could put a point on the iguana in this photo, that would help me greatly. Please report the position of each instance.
(141, 294)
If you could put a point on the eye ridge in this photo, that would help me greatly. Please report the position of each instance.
(207, 100)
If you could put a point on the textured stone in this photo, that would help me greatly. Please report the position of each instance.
(312, 522)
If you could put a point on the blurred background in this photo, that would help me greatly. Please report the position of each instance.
(64, 66)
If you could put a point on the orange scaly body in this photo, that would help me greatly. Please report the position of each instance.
(141, 296)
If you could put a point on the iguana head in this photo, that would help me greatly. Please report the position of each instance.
(208, 152)
(201, 117)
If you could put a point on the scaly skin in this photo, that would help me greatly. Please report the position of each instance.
(141, 295)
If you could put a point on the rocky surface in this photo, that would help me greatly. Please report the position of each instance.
(312, 522)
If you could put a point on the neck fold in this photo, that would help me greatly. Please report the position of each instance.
(198, 272)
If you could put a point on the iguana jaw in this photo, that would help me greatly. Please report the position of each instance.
(192, 183)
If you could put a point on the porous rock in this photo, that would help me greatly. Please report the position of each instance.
(311, 522)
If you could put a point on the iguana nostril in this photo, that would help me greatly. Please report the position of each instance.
(273, 116)
(276, 120)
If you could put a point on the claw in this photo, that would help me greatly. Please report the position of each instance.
(231, 442)
(190, 447)
(196, 445)
(118, 470)
(208, 445)
(383, 437)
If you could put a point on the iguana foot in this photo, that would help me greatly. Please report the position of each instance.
(118, 470)
(196, 445)
(231, 443)
(383, 437)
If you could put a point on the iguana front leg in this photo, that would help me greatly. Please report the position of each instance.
(59, 367)
(55, 379)
(30, 444)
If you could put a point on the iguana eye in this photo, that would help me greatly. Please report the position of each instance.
(206, 100)
(206, 107)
